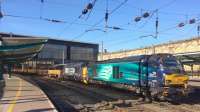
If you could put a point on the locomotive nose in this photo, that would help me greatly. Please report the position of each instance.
(176, 80)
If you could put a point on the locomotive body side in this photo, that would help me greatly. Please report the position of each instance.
(121, 72)
(153, 74)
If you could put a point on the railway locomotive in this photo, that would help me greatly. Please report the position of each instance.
(154, 75)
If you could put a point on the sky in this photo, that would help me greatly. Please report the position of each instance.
(26, 14)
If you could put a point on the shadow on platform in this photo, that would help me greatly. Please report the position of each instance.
(41, 110)
(25, 100)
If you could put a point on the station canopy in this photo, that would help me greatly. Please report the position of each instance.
(189, 58)
(19, 49)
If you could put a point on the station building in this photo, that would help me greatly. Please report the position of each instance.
(58, 52)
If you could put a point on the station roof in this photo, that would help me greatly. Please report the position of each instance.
(189, 58)
(52, 40)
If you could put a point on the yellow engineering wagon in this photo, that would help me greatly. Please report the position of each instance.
(55, 71)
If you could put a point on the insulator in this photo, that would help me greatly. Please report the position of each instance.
(137, 19)
(145, 15)
(156, 23)
(42, 1)
(198, 27)
(89, 6)
(1, 15)
(106, 16)
(85, 11)
(56, 21)
(181, 24)
(116, 28)
(191, 21)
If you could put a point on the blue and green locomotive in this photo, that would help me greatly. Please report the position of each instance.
(156, 74)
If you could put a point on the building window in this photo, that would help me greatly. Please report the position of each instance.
(52, 51)
(81, 53)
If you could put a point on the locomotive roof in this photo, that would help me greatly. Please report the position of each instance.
(133, 58)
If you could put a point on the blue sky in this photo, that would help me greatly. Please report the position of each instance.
(170, 13)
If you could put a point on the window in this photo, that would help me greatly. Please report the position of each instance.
(81, 53)
(94, 70)
(52, 51)
(116, 73)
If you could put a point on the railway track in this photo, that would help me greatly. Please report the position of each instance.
(71, 96)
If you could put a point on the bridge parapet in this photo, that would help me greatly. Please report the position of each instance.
(177, 47)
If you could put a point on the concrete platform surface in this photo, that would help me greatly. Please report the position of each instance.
(22, 96)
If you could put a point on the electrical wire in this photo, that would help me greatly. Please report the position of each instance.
(41, 8)
(147, 36)
(101, 20)
(73, 22)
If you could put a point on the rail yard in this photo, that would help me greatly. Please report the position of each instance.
(73, 96)
(99, 56)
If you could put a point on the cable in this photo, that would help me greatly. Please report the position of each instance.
(166, 5)
(73, 22)
(67, 27)
(101, 20)
(41, 8)
(145, 36)
(49, 20)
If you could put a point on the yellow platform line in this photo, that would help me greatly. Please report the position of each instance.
(13, 102)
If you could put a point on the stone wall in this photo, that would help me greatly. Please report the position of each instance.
(183, 46)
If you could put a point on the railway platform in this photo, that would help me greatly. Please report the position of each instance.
(20, 95)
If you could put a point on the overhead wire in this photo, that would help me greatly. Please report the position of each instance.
(101, 20)
(41, 8)
(64, 22)
(149, 35)
(49, 20)
(161, 7)
(146, 22)
(75, 20)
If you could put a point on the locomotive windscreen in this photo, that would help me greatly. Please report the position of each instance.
(171, 65)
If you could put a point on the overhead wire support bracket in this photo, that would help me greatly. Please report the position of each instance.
(1, 13)
(106, 15)
(41, 8)
(157, 24)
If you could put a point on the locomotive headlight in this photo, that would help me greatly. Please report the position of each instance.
(168, 82)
